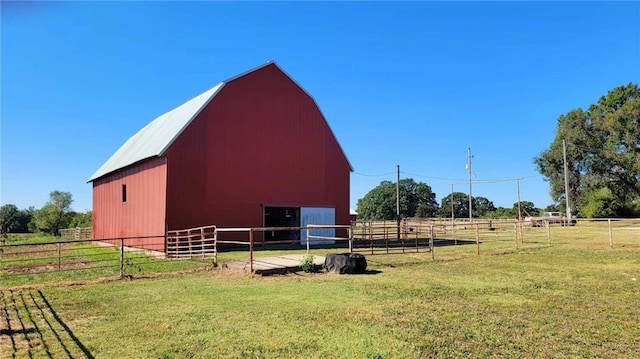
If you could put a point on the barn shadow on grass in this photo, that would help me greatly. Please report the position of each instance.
(32, 328)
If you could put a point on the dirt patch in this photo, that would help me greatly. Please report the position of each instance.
(42, 268)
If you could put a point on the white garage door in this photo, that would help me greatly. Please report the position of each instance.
(317, 215)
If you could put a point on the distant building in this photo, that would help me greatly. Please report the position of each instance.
(252, 151)
(353, 215)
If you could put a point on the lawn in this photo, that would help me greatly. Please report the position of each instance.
(573, 299)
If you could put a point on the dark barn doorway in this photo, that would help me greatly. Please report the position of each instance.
(281, 217)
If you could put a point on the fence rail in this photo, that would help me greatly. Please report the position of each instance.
(443, 238)
(79, 233)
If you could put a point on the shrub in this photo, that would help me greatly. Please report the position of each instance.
(307, 263)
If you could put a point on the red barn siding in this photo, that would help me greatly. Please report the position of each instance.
(143, 214)
(260, 141)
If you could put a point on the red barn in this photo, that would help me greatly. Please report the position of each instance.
(252, 151)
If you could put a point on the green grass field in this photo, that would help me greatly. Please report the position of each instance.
(574, 299)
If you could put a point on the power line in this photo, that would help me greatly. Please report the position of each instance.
(496, 180)
(432, 177)
(369, 175)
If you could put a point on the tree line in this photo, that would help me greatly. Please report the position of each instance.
(56, 214)
(417, 199)
(602, 156)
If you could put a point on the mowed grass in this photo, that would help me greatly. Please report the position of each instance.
(575, 299)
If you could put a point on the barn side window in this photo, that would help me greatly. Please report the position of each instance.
(124, 193)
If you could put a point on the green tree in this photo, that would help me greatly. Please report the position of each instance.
(8, 218)
(53, 216)
(600, 203)
(603, 153)
(501, 212)
(460, 205)
(527, 208)
(24, 217)
(481, 206)
(554, 208)
(82, 219)
(416, 199)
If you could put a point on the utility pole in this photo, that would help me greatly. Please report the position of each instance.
(519, 210)
(398, 199)
(469, 168)
(566, 179)
(453, 216)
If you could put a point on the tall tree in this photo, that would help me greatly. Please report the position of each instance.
(24, 218)
(603, 155)
(482, 206)
(79, 219)
(54, 214)
(416, 199)
(8, 218)
(527, 208)
(460, 205)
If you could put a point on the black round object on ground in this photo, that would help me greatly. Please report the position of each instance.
(345, 263)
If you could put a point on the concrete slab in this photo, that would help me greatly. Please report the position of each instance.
(273, 265)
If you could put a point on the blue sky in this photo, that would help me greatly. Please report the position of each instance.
(413, 83)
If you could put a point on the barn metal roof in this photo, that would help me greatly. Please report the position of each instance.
(156, 137)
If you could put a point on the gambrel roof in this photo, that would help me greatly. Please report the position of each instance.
(154, 139)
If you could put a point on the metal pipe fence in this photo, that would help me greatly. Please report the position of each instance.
(130, 255)
(105, 257)
(492, 235)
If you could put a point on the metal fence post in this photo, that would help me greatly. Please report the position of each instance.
(610, 235)
(351, 239)
(307, 230)
(59, 250)
(371, 235)
(251, 250)
(546, 223)
(215, 247)
(431, 241)
(121, 257)
(477, 240)
(453, 231)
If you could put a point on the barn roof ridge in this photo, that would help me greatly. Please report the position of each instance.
(155, 138)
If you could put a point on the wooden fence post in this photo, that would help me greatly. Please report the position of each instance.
(515, 234)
